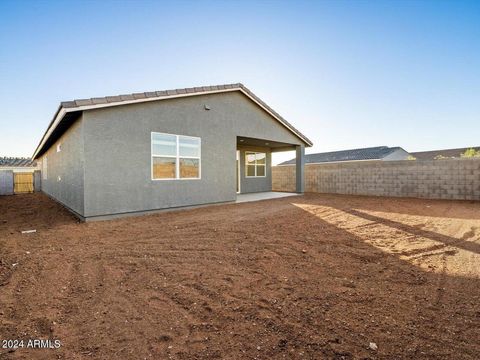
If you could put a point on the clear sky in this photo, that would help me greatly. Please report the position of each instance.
(348, 74)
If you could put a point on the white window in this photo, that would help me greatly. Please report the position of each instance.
(255, 164)
(175, 157)
(59, 147)
(45, 168)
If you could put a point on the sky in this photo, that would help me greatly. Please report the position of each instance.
(348, 74)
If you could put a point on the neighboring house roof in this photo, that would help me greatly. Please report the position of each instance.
(445, 153)
(75, 106)
(17, 162)
(373, 153)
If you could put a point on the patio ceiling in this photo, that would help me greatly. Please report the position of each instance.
(274, 145)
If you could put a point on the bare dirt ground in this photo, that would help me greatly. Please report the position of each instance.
(309, 277)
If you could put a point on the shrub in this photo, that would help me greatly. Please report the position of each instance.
(471, 153)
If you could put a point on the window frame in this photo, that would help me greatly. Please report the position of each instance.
(177, 157)
(45, 168)
(255, 165)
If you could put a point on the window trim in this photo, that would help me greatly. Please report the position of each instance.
(45, 168)
(177, 157)
(256, 165)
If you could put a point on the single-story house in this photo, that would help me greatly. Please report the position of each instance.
(18, 175)
(103, 157)
(379, 153)
(442, 154)
(18, 164)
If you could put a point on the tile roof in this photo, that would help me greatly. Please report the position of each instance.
(17, 162)
(373, 153)
(86, 104)
(150, 95)
(445, 153)
(173, 92)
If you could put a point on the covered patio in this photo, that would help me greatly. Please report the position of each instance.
(254, 167)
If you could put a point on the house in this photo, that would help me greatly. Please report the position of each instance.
(114, 155)
(18, 175)
(379, 153)
(442, 154)
(18, 164)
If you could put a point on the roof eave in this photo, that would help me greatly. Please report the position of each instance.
(66, 107)
(59, 114)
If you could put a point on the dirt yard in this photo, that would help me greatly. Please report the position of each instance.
(307, 277)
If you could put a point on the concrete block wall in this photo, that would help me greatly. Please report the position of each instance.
(37, 181)
(6, 182)
(7, 186)
(456, 179)
(284, 178)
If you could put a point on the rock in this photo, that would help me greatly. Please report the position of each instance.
(373, 346)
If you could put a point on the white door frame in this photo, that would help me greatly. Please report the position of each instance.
(239, 181)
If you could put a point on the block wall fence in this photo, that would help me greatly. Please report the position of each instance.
(6, 182)
(7, 178)
(455, 179)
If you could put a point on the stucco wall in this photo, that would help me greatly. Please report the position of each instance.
(6, 182)
(436, 179)
(255, 184)
(118, 156)
(399, 154)
(65, 169)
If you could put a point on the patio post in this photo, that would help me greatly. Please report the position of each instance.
(300, 168)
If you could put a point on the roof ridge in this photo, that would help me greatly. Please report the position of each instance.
(149, 94)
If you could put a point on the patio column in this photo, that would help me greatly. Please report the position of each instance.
(300, 168)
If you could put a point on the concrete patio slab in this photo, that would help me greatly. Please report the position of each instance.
(241, 198)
